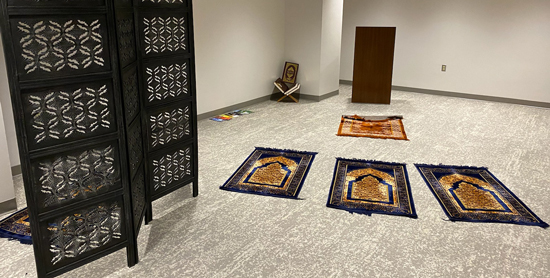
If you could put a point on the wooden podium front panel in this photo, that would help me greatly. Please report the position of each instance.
(373, 65)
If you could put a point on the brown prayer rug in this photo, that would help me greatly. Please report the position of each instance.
(373, 127)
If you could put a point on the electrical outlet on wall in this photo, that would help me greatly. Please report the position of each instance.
(444, 68)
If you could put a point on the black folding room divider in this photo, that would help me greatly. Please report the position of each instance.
(167, 65)
(103, 94)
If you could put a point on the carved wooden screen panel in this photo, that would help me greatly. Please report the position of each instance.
(129, 75)
(70, 122)
(167, 67)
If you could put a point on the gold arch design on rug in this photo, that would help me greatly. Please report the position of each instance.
(473, 193)
(370, 185)
(271, 171)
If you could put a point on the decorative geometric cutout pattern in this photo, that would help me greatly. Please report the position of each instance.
(131, 96)
(166, 81)
(164, 34)
(60, 115)
(171, 168)
(135, 149)
(169, 126)
(70, 177)
(78, 233)
(52, 46)
(126, 42)
(138, 197)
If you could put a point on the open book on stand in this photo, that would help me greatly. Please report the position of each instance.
(287, 91)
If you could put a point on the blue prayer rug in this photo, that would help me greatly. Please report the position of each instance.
(366, 187)
(272, 172)
(474, 194)
(17, 226)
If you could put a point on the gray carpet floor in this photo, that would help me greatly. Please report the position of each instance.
(226, 234)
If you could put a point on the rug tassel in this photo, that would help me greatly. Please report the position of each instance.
(360, 213)
(286, 150)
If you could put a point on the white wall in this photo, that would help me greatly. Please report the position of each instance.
(239, 50)
(303, 28)
(313, 31)
(6, 183)
(7, 112)
(331, 43)
(7, 131)
(492, 47)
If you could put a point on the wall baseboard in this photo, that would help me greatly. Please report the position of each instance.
(8, 205)
(464, 95)
(251, 102)
(231, 108)
(346, 82)
(472, 96)
(16, 170)
(319, 98)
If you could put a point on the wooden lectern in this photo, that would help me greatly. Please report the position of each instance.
(373, 65)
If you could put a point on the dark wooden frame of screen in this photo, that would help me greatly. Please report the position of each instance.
(134, 164)
(21, 83)
(149, 61)
(129, 79)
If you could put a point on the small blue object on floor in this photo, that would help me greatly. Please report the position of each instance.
(475, 195)
(17, 226)
(366, 187)
(272, 172)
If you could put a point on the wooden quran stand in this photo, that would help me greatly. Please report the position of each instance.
(287, 92)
